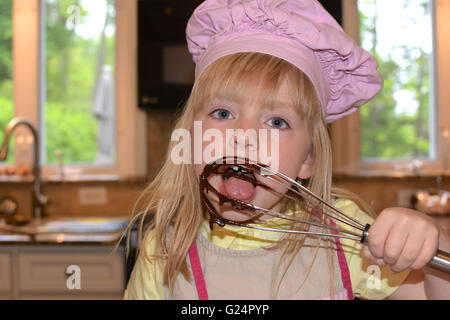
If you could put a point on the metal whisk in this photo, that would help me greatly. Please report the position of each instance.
(323, 214)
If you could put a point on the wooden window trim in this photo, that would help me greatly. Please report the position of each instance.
(131, 121)
(345, 133)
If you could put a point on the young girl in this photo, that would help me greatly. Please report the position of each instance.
(282, 65)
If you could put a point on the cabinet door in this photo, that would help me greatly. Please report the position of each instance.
(5, 274)
(48, 273)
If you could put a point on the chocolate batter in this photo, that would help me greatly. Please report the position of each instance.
(222, 169)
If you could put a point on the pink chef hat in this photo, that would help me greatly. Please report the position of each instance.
(301, 32)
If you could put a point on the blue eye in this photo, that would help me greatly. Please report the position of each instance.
(221, 114)
(278, 123)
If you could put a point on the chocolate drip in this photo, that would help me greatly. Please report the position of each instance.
(219, 167)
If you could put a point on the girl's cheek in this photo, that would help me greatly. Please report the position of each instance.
(292, 155)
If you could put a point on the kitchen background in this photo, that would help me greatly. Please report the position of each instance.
(385, 161)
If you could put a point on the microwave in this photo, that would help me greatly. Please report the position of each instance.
(165, 67)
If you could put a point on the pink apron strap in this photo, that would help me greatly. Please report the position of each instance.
(345, 273)
(198, 273)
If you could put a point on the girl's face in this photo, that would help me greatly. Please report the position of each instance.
(293, 148)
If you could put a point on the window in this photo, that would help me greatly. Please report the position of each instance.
(6, 70)
(79, 109)
(404, 130)
(398, 122)
(72, 59)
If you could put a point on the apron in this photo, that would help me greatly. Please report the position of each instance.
(202, 291)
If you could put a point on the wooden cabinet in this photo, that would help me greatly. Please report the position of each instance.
(61, 272)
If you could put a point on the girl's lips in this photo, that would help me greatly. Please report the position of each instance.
(237, 189)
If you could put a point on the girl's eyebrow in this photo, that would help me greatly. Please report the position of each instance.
(284, 106)
(219, 101)
(275, 104)
(270, 105)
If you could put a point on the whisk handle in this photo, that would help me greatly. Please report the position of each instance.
(441, 261)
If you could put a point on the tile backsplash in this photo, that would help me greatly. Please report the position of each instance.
(66, 198)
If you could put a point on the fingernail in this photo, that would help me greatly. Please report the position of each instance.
(380, 262)
(392, 271)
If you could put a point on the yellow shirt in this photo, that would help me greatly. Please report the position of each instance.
(368, 280)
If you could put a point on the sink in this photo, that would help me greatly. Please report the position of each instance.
(67, 229)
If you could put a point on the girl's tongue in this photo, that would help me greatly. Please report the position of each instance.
(239, 189)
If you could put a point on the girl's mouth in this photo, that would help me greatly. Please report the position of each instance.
(239, 184)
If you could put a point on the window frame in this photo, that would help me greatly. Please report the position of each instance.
(28, 94)
(346, 132)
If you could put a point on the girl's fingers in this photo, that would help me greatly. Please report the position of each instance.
(419, 247)
(367, 255)
(380, 262)
(408, 256)
(395, 242)
(378, 233)
(403, 239)
(427, 253)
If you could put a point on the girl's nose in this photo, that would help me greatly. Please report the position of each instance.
(247, 122)
(243, 137)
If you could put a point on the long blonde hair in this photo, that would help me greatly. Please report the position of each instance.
(173, 197)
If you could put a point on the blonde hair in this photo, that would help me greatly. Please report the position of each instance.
(174, 197)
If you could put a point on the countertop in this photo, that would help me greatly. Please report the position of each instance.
(68, 231)
(61, 238)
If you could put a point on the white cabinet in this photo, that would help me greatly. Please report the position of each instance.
(61, 272)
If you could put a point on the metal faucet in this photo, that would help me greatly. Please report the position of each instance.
(39, 200)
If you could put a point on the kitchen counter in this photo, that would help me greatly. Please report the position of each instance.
(63, 230)
(8, 237)
(61, 238)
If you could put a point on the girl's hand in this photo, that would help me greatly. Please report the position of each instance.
(402, 238)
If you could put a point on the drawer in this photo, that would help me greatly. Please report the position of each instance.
(5, 272)
(46, 272)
